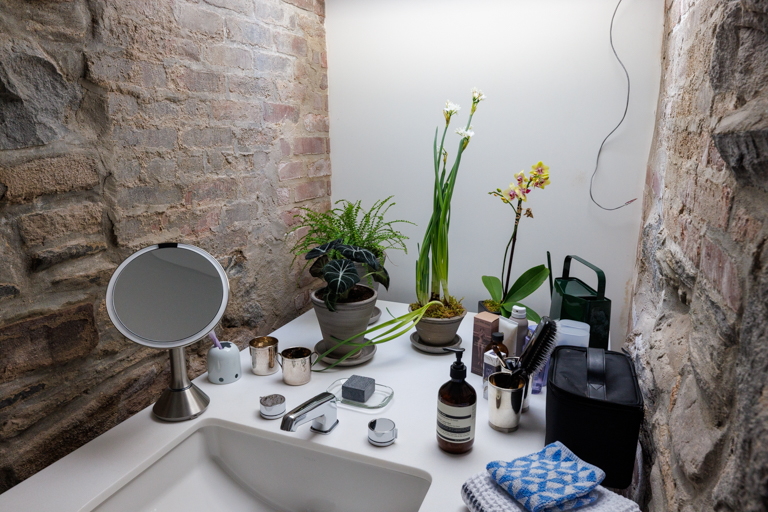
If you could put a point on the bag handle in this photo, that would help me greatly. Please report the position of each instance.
(596, 373)
(600, 273)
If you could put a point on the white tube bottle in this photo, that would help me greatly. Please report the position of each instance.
(518, 316)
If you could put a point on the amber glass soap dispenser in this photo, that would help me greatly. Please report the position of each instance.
(456, 409)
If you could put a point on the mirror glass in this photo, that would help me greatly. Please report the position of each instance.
(168, 295)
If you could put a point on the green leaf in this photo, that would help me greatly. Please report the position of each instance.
(321, 250)
(526, 284)
(316, 270)
(341, 275)
(359, 255)
(330, 300)
(493, 285)
(381, 276)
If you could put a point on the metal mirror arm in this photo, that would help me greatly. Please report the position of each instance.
(179, 377)
(182, 400)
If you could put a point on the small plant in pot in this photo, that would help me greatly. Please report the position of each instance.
(351, 224)
(344, 306)
(440, 322)
(504, 297)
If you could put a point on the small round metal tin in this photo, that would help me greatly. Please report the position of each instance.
(381, 432)
(272, 407)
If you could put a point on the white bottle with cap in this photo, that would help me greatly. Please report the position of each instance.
(518, 316)
(508, 328)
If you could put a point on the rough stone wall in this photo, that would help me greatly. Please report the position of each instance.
(132, 122)
(699, 323)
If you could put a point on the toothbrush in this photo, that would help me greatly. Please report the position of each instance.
(215, 340)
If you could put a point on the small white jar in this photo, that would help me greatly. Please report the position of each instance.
(224, 364)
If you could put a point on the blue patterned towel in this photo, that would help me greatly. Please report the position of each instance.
(553, 479)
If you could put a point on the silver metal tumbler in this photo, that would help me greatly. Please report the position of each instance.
(297, 365)
(263, 355)
(505, 401)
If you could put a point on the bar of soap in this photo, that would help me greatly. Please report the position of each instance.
(358, 389)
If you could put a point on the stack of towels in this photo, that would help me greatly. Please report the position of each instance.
(553, 479)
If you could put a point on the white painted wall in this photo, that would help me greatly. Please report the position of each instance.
(554, 91)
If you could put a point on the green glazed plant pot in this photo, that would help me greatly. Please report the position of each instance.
(348, 319)
(438, 331)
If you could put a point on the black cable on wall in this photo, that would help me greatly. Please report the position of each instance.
(626, 108)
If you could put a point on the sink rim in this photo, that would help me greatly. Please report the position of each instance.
(127, 478)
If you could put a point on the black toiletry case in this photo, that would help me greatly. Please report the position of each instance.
(595, 407)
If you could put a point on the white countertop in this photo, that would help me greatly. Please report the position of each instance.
(104, 463)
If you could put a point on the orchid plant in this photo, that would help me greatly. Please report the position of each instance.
(515, 195)
(432, 273)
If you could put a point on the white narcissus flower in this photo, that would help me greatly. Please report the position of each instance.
(477, 95)
(465, 134)
(451, 108)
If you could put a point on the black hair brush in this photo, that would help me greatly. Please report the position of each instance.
(537, 351)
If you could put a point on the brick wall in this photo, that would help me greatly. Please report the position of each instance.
(124, 124)
(699, 320)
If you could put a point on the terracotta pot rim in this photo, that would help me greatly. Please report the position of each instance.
(345, 306)
(442, 320)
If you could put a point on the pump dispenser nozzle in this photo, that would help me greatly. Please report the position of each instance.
(458, 369)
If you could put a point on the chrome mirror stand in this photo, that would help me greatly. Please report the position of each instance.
(182, 400)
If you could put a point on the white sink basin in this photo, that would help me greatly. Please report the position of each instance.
(230, 468)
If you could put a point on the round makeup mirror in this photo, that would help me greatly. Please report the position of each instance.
(167, 296)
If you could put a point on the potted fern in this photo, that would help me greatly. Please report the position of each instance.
(352, 225)
(343, 306)
(440, 322)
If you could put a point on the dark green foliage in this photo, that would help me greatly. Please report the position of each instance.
(322, 250)
(359, 255)
(316, 270)
(525, 285)
(335, 264)
(340, 276)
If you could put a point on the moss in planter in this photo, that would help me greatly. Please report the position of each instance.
(448, 309)
(492, 306)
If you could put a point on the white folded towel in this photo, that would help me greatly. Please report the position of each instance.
(482, 494)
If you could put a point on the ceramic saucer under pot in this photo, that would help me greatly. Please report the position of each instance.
(434, 349)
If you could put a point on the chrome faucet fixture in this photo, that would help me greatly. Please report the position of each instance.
(321, 410)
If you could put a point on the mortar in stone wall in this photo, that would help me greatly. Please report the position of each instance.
(698, 318)
(148, 122)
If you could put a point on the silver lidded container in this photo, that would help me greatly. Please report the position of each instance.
(382, 432)
(272, 407)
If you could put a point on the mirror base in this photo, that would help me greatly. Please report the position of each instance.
(181, 404)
